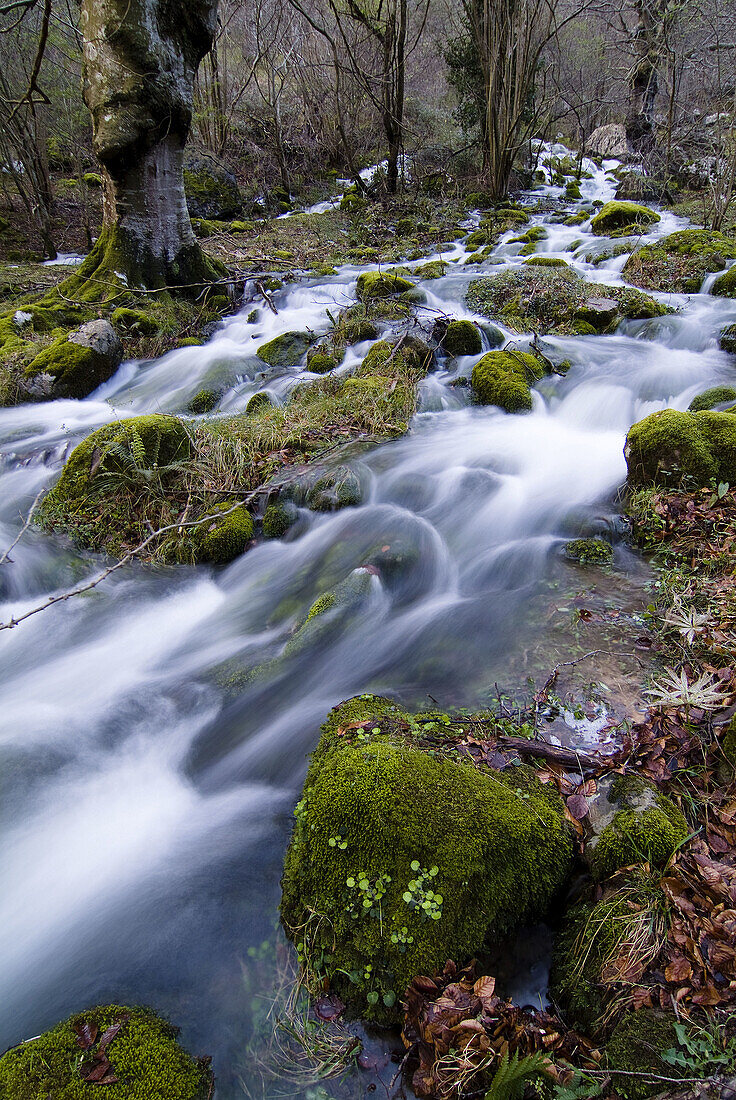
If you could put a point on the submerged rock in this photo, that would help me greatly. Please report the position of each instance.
(505, 378)
(589, 551)
(146, 1061)
(401, 860)
(674, 448)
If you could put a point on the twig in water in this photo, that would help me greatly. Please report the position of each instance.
(6, 556)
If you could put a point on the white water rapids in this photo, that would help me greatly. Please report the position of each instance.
(146, 803)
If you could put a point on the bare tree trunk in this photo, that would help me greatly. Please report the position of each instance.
(644, 74)
(140, 60)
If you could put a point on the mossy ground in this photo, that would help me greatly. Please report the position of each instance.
(401, 859)
(548, 300)
(681, 261)
(145, 1056)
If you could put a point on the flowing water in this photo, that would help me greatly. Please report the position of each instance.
(148, 785)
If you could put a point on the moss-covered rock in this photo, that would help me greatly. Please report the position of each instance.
(727, 339)
(401, 860)
(545, 300)
(286, 350)
(222, 540)
(135, 322)
(461, 338)
(204, 401)
(636, 1047)
(633, 822)
(622, 217)
(589, 551)
(332, 611)
(725, 285)
(325, 490)
(681, 261)
(679, 449)
(126, 449)
(211, 190)
(324, 357)
(545, 261)
(505, 378)
(278, 518)
(435, 269)
(383, 284)
(708, 399)
(146, 1059)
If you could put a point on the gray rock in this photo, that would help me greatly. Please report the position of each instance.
(100, 337)
(609, 141)
(211, 190)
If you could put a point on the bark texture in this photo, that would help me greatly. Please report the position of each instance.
(140, 60)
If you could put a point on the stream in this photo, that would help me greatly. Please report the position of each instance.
(148, 790)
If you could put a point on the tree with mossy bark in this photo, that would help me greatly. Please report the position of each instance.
(140, 60)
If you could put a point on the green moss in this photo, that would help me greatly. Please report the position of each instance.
(647, 829)
(679, 449)
(680, 261)
(725, 285)
(257, 403)
(462, 338)
(382, 284)
(76, 370)
(92, 179)
(435, 269)
(589, 551)
(547, 299)
(572, 190)
(546, 261)
(204, 401)
(286, 350)
(492, 849)
(277, 519)
(728, 743)
(717, 395)
(618, 216)
(340, 488)
(135, 321)
(636, 1046)
(221, 540)
(324, 357)
(504, 378)
(727, 340)
(145, 1056)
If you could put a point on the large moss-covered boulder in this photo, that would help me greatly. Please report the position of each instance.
(459, 338)
(383, 284)
(617, 218)
(401, 860)
(681, 261)
(86, 501)
(286, 350)
(146, 1061)
(632, 822)
(505, 378)
(74, 365)
(211, 189)
(682, 449)
(708, 399)
(546, 300)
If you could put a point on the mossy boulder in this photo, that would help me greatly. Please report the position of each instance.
(286, 350)
(278, 518)
(435, 269)
(135, 322)
(74, 365)
(331, 611)
(147, 1061)
(324, 490)
(619, 217)
(636, 1047)
(204, 401)
(589, 551)
(459, 338)
(143, 443)
(211, 189)
(324, 357)
(725, 285)
(383, 284)
(546, 300)
(222, 540)
(401, 860)
(681, 449)
(505, 378)
(632, 823)
(708, 399)
(681, 261)
(546, 261)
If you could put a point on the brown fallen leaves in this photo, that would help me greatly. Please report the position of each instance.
(96, 1068)
(457, 1029)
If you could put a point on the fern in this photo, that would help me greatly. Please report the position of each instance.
(514, 1074)
(137, 448)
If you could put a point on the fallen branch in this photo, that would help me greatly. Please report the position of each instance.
(567, 758)
(6, 556)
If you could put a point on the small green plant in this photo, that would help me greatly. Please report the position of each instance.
(402, 939)
(338, 841)
(514, 1074)
(703, 1051)
(419, 897)
(366, 896)
(675, 690)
